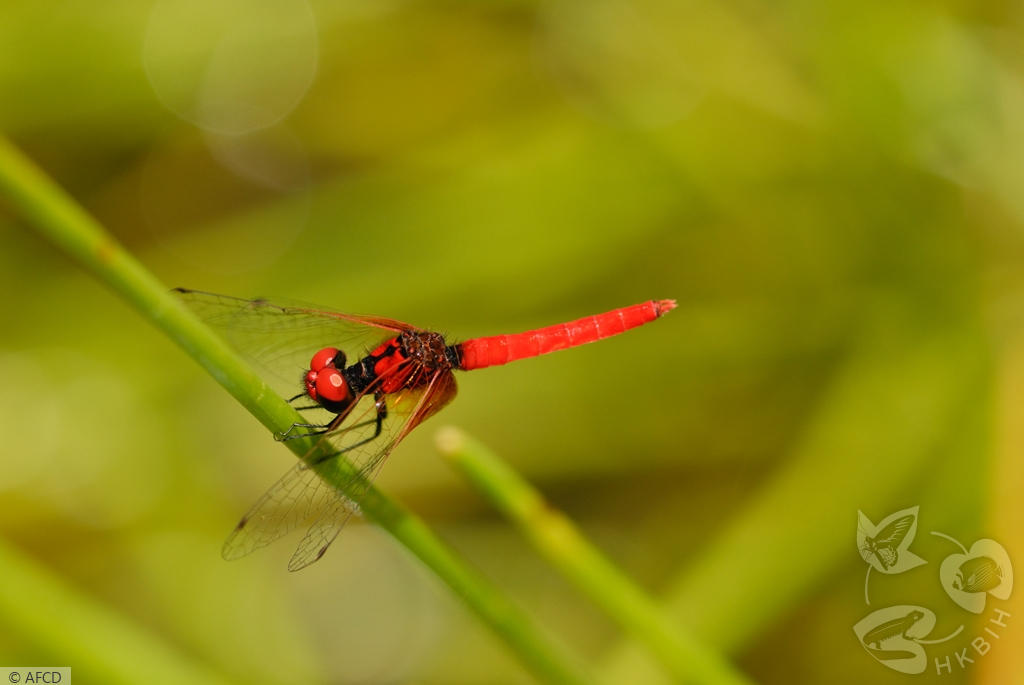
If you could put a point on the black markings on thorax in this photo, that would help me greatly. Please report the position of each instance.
(361, 375)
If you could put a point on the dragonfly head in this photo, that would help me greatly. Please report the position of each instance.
(325, 382)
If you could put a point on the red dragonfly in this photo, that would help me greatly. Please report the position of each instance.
(394, 377)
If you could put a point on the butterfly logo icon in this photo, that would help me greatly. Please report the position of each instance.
(885, 547)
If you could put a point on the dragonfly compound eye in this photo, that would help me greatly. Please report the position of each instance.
(330, 386)
(328, 356)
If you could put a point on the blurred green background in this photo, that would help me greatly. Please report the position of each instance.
(833, 192)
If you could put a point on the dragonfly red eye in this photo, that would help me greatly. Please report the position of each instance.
(330, 385)
(326, 357)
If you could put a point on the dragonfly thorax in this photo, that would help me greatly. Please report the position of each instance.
(406, 361)
(426, 349)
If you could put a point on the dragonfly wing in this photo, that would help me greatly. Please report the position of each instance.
(321, 534)
(279, 339)
(288, 504)
(415, 405)
(302, 497)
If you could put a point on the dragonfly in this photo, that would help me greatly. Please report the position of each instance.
(366, 382)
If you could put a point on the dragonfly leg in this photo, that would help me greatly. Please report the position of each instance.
(301, 396)
(321, 428)
(382, 413)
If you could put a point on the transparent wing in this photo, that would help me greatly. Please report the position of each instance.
(286, 505)
(301, 497)
(279, 339)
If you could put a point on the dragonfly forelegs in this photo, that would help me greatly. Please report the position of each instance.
(300, 396)
(380, 406)
(320, 429)
(382, 413)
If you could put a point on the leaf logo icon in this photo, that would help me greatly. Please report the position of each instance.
(970, 577)
(894, 635)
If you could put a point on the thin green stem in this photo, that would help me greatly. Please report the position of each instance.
(554, 535)
(99, 645)
(55, 215)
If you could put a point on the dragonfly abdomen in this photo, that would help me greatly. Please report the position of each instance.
(502, 349)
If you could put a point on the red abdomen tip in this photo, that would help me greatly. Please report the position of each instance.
(664, 306)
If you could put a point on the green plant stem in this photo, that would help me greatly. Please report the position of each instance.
(99, 645)
(52, 213)
(551, 532)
